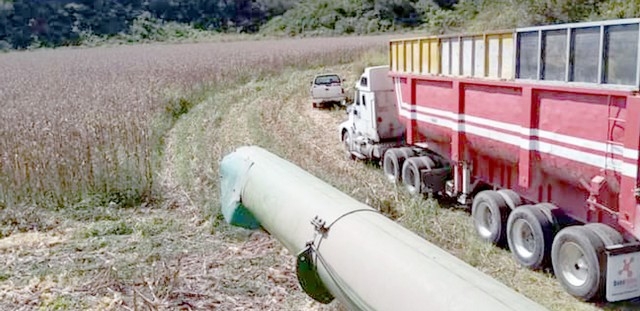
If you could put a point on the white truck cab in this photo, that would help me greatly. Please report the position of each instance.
(373, 124)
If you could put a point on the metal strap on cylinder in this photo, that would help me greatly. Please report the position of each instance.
(307, 273)
(307, 263)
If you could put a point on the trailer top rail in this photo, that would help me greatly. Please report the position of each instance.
(604, 53)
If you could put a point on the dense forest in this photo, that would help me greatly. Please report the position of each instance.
(50, 23)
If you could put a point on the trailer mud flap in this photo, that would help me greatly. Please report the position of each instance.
(309, 279)
(623, 272)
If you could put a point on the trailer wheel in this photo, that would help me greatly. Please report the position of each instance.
(412, 175)
(578, 261)
(608, 235)
(512, 199)
(393, 160)
(530, 236)
(490, 213)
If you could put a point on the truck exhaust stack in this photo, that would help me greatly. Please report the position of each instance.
(346, 249)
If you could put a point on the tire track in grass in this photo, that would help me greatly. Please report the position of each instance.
(225, 121)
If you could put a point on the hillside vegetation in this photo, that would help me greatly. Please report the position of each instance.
(51, 23)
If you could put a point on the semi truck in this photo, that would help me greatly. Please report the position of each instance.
(536, 130)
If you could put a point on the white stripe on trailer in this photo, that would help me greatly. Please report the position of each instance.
(567, 139)
(617, 165)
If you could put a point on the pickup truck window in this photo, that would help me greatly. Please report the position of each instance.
(330, 79)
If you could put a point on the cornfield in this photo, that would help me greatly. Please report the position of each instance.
(80, 124)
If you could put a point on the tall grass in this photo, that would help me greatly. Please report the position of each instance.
(80, 125)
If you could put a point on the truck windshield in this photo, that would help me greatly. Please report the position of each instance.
(330, 79)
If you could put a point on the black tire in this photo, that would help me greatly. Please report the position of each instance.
(314, 104)
(490, 213)
(557, 216)
(608, 235)
(346, 142)
(393, 160)
(530, 236)
(512, 199)
(412, 175)
(578, 259)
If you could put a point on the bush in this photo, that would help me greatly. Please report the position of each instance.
(5, 46)
(345, 17)
(56, 23)
(618, 9)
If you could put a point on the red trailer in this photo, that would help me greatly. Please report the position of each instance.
(538, 129)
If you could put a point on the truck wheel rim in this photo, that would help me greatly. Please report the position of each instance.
(410, 182)
(485, 220)
(573, 264)
(523, 240)
(347, 143)
(391, 169)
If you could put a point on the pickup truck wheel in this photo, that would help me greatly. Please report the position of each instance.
(412, 175)
(489, 212)
(578, 257)
(393, 160)
(530, 236)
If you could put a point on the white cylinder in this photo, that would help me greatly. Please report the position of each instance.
(375, 263)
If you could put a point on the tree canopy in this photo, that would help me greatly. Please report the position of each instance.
(50, 23)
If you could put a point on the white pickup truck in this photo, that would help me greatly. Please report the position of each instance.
(327, 88)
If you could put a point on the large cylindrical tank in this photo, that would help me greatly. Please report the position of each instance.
(364, 259)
